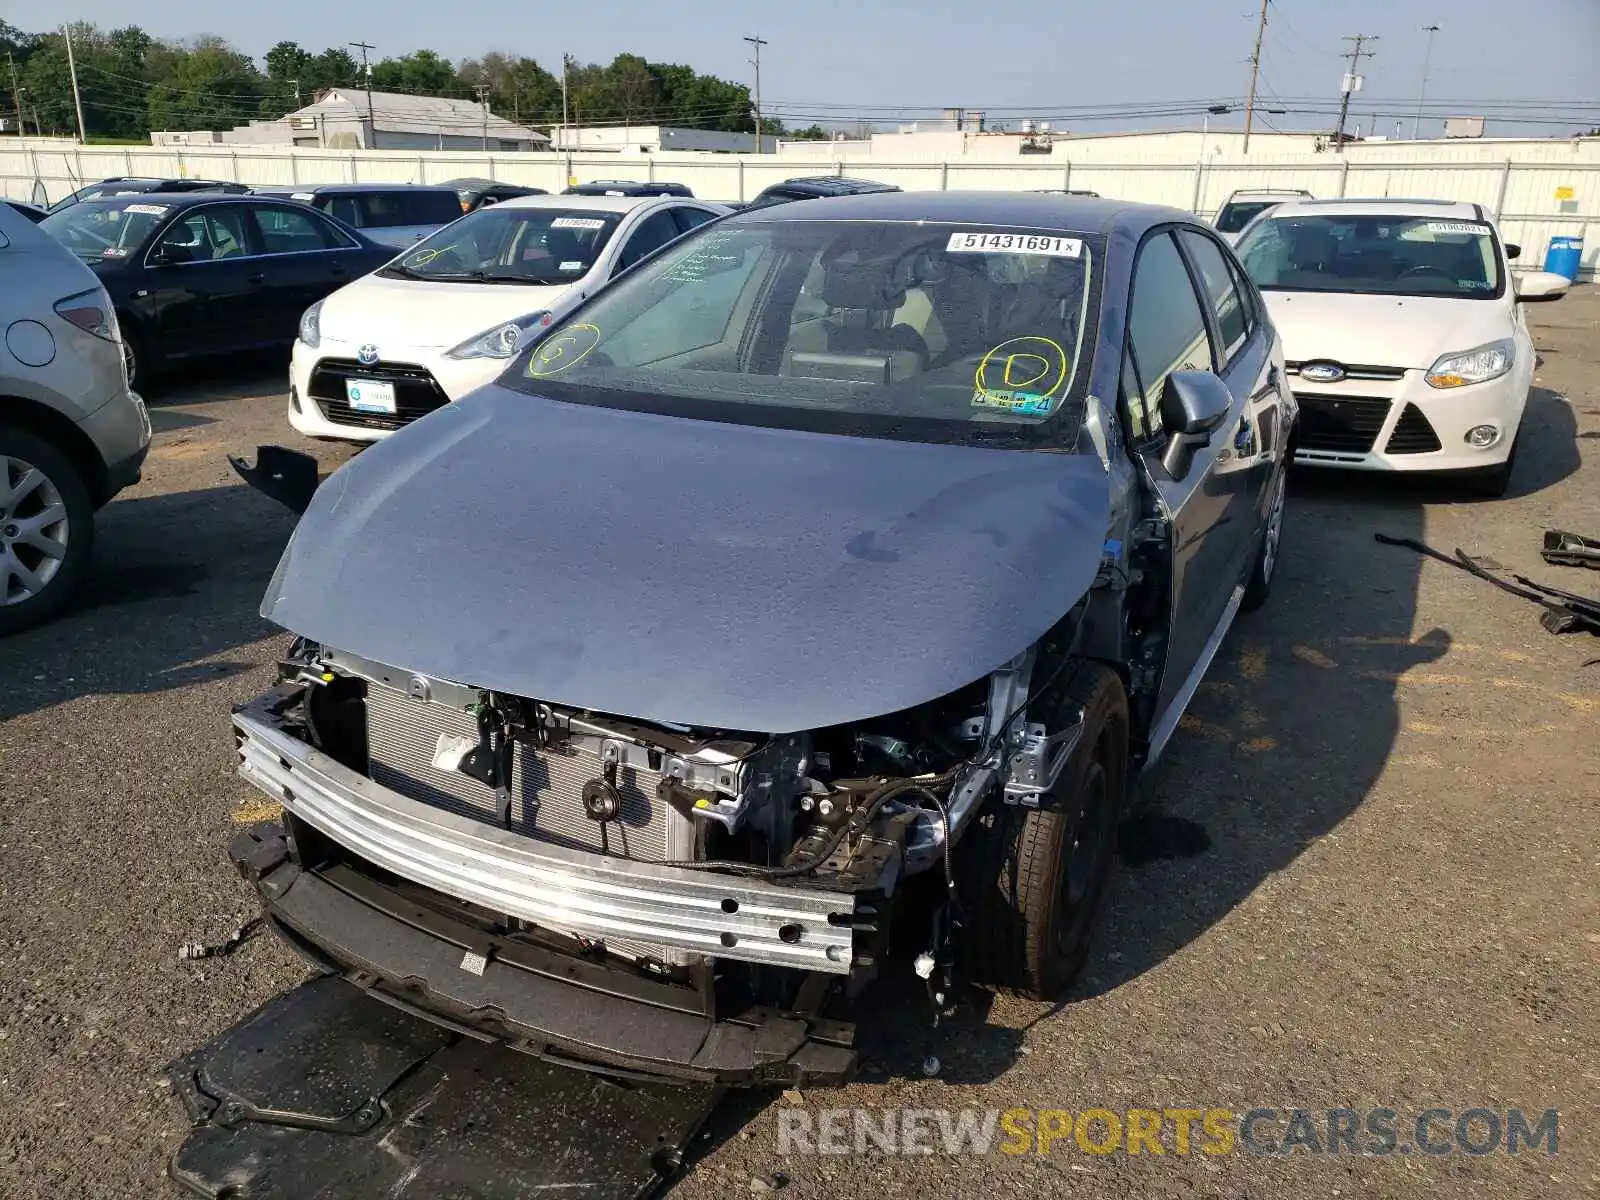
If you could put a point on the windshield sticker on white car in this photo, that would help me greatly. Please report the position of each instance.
(571, 266)
(149, 210)
(303, 197)
(1030, 404)
(1475, 285)
(1456, 227)
(115, 252)
(1014, 243)
(577, 223)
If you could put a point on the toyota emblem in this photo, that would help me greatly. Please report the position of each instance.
(1325, 372)
(367, 355)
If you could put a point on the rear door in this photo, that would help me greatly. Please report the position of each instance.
(648, 236)
(201, 288)
(1169, 330)
(302, 258)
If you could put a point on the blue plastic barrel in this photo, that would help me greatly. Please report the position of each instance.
(1564, 255)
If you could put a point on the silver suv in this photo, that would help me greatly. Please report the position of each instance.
(71, 433)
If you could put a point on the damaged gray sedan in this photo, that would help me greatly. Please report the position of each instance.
(837, 544)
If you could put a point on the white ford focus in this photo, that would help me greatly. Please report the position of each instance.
(1407, 348)
(444, 317)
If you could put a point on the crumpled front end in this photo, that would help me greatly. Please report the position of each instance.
(637, 898)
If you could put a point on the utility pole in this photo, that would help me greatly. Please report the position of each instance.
(366, 69)
(295, 84)
(16, 95)
(565, 59)
(1351, 82)
(1255, 73)
(72, 69)
(1422, 92)
(483, 99)
(758, 42)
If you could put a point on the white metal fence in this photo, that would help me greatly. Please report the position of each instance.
(1536, 199)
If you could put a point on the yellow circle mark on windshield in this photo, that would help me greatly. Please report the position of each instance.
(1034, 364)
(563, 352)
(422, 258)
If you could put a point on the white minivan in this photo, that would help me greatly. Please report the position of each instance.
(1406, 345)
(443, 318)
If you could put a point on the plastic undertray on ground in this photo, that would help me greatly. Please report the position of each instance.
(326, 1092)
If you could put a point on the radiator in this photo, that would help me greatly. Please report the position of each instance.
(546, 799)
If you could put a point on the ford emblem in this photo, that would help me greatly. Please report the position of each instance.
(1315, 372)
(368, 355)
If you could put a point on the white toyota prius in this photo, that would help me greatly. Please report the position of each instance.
(1406, 345)
(444, 317)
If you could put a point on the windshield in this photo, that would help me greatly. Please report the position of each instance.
(1374, 255)
(105, 232)
(924, 331)
(502, 244)
(1236, 214)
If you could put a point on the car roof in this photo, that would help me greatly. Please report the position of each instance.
(1026, 210)
(1266, 193)
(619, 204)
(1354, 207)
(316, 189)
(167, 199)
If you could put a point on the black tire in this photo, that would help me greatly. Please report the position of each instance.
(1032, 877)
(142, 369)
(1491, 483)
(1268, 555)
(22, 446)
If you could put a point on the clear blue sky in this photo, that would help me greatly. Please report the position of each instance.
(857, 57)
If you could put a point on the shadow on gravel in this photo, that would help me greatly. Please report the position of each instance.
(1289, 733)
(174, 583)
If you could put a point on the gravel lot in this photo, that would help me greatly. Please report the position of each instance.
(1393, 765)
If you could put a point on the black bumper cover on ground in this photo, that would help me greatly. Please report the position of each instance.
(325, 1093)
(596, 1027)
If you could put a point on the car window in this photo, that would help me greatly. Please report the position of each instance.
(1375, 254)
(510, 244)
(1166, 327)
(105, 232)
(383, 210)
(691, 218)
(927, 331)
(1247, 295)
(654, 232)
(429, 208)
(286, 230)
(207, 234)
(1236, 214)
(1218, 283)
(343, 208)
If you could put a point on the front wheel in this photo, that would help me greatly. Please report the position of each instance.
(1034, 877)
(1491, 483)
(46, 529)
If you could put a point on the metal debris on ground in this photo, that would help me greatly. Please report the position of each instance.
(1564, 612)
(1565, 549)
(193, 950)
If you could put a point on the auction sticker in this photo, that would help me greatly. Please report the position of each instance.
(1014, 243)
(577, 223)
(1456, 227)
(149, 210)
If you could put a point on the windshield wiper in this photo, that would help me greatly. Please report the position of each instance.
(500, 277)
(404, 272)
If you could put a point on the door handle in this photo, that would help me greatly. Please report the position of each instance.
(258, 277)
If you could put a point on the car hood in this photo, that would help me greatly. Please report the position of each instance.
(714, 575)
(1382, 331)
(396, 315)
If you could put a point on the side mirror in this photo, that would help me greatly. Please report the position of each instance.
(1193, 405)
(1513, 251)
(1539, 286)
(171, 256)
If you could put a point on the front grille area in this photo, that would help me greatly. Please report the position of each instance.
(1340, 424)
(1412, 434)
(546, 802)
(416, 392)
(1351, 370)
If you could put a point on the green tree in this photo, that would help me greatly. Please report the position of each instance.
(811, 133)
(334, 67)
(422, 72)
(212, 86)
